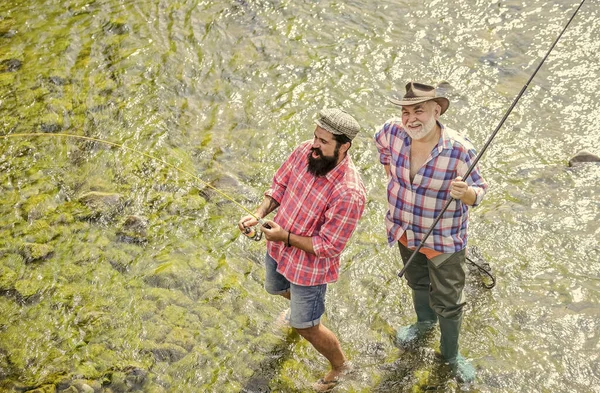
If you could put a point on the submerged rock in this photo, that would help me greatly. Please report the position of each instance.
(8, 33)
(28, 289)
(583, 157)
(10, 65)
(101, 203)
(48, 388)
(167, 352)
(58, 81)
(116, 28)
(86, 386)
(33, 251)
(8, 278)
(50, 128)
(133, 229)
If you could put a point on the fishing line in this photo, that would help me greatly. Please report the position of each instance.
(484, 271)
(476, 160)
(120, 146)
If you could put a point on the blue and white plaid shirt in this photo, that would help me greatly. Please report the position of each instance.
(413, 206)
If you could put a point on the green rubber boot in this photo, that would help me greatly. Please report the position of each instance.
(462, 369)
(407, 336)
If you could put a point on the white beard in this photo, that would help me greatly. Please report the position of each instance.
(425, 130)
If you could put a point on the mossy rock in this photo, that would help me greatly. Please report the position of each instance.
(62, 218)
(133, 229)
(181, 337)
(422, 382)
(40, 232)
(116, 28)
(65, 296)
(119, 259)
(179, 316)
(171, 274)
(186, 205)
(70, 389)
(155, 389)
(10, 65)
(35, 251)
(102, 204)
(156, 330)
(22, 148)
(72, 209)
(86, 386)
(101, 355)
(211, 316)
(170, 353)
(28, 288)
(8, 278)
(292, 372)
(163, 297)
(48, 388)
(38, 206)
(13, 261)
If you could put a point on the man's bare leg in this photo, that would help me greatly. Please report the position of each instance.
(328, 345)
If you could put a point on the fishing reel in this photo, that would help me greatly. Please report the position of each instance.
(255, 232)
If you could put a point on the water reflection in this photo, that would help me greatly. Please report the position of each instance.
(227, 89)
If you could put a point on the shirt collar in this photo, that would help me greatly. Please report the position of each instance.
(339, 169)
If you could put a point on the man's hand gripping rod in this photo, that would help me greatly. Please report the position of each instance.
(254, 234)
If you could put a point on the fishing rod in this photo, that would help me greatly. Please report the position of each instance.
(250, 232)
(487, 144)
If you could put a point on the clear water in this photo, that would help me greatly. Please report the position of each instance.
(225, 90)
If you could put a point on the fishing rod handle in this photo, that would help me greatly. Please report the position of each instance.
(263, 223)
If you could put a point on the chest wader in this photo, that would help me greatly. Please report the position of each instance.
(437, 289)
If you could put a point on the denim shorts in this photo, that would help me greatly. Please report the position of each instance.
(307, 304)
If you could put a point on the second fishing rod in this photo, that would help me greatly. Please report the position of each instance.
(487, 144)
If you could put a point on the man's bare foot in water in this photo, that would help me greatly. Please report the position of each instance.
(332, 378)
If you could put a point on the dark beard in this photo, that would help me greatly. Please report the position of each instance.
(323, 164)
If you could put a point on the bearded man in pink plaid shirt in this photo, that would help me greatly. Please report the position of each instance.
(425, 162)
(319, 197)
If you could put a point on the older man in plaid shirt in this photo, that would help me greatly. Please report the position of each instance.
(319, 197)
(425, 162)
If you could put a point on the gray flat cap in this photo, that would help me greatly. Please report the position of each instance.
(337, 122)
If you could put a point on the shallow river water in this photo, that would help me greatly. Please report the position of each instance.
(122, 271)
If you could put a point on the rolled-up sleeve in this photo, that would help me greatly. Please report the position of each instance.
(340, 221)
(475, 180)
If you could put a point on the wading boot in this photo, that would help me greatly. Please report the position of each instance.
(462, 369)
(407, 336)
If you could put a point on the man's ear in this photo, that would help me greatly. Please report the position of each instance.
(437, 111)
(345, 146)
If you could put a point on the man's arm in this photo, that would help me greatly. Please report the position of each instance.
(340, 221)
(277, 234)
(267, 206)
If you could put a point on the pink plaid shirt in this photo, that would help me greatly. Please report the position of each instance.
(325, 208)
